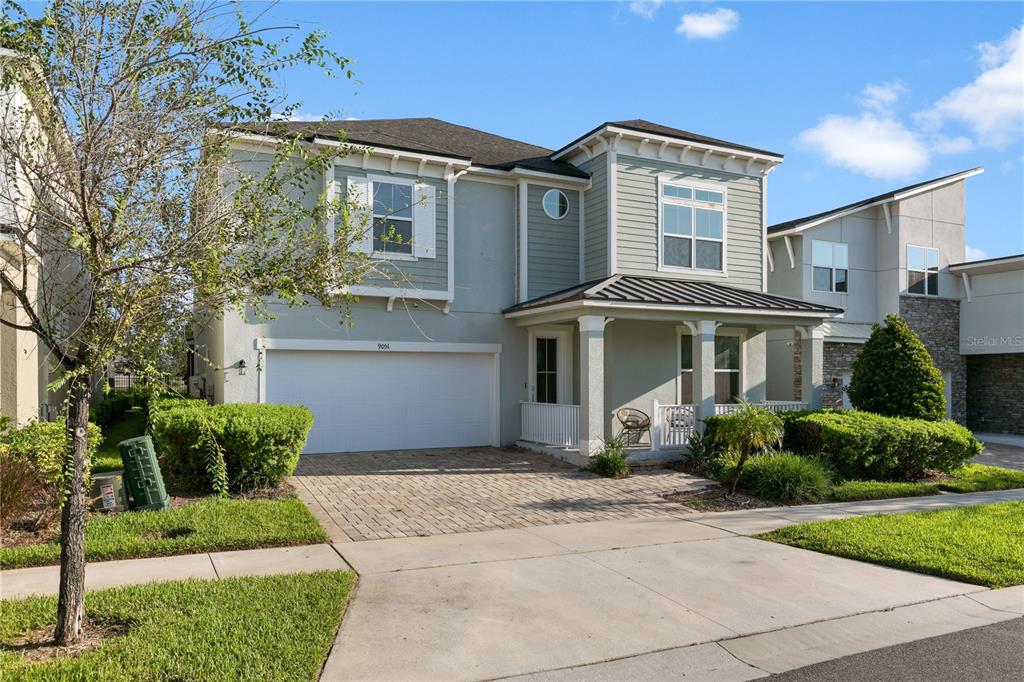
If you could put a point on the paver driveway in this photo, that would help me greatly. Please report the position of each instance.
(371, 496)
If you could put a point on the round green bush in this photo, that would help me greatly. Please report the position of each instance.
(787, 478)
(895, 376)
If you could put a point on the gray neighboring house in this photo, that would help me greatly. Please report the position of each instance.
(902, 252)
(542, 292)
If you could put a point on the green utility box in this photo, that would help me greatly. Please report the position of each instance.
(144, 486)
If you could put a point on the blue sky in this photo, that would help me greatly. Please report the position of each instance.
(860, 97)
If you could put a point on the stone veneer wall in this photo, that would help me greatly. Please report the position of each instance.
(937, 322)
(995, 393)
(838, 357)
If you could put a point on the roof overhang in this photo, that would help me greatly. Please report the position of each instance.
(990, 265)
(899, 196)
(608, 134)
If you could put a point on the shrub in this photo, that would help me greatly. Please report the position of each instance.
(862, 445)
(40, 446)
(611, 462)
(895, 376)
(110, 409)
(749, 430)
(705, 454)
(259, 443)
(787, 478)
(21, 489)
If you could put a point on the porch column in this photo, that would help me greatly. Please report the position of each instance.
(812, 355)
(592, 417)
(704, 370)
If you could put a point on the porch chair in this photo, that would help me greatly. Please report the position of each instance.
(634, 423)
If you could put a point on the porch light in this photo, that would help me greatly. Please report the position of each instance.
(241, 367)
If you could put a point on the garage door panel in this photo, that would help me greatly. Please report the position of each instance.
(386, 401)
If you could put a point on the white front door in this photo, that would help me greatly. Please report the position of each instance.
(387, 400)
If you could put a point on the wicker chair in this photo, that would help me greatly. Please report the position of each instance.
(634, 424)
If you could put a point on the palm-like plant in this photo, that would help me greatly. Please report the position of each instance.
(748, 430)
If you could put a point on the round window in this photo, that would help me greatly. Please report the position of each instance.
(556, 204)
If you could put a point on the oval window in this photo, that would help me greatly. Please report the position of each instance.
(556, 204)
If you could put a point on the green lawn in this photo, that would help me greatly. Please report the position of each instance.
(848, 491)
(979, 544)
(108, 457)
(207, 525)
(267, 628)
(976, 477)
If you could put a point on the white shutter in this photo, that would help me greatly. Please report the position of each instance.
(424, 221)
(361, 213)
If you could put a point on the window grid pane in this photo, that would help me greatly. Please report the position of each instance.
(709, 255)
(677, 251)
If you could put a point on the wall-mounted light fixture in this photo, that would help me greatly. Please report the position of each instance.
(241, 367)
(835, 382)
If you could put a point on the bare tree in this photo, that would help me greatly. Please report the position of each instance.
(130, 213)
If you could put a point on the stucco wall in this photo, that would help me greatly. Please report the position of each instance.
(993, 320)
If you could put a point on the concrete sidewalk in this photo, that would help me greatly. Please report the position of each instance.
(641, 598)
(24, 582)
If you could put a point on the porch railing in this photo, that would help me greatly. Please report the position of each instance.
(551, 424)
(770, 405)
(672, 425)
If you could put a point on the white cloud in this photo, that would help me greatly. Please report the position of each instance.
(992, 105)
(709, 25)
(645, 8)
(940, 144)
(882, 96)
(873, 145)
(971, 253)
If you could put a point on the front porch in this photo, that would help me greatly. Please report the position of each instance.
(675, 361)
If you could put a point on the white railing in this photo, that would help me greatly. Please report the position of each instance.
(551, 424)
(672, 425)
(770, 405)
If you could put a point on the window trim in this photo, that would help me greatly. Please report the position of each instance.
(385, 255)
(908, 269)
(833, 268)
(543, 200)
(685, 331)
(673, 179)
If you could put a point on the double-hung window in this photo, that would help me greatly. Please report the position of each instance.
(830, 266)
(692, 227)
(922, 270)
(392, 218)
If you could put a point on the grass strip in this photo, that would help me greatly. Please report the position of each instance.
(848, 491)
(264, 628)
(211, 524)
(980, 544)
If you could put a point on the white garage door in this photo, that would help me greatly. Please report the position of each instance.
(386, 400)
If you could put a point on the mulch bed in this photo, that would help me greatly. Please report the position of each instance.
(717, 499)
(38, 645)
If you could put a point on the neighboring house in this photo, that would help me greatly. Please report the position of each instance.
(542, 291)
(902, 252)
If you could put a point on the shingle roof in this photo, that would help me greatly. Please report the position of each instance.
(642, 126)
(674, 292)
(434, 136)
(778, 227)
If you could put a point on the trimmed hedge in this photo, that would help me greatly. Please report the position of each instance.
(862, 445)
(259, 444)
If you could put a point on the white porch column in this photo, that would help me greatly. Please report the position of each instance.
(592, 417)
(704, 370)
(812, 340)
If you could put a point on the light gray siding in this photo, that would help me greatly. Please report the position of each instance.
(430, 274)
(553, 248)
(637, 221)
(595, 249)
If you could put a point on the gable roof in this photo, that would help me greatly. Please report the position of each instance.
(434, 136)
(677, 293)
(901, 193)
(642, 126)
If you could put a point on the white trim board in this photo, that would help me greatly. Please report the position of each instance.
(383, 346)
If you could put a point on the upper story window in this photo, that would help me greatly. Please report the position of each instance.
(692, 230)
(392, 218)
(556, 204)
(922, 270)
(829, 266)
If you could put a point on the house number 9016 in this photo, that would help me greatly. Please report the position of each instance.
(383, 346)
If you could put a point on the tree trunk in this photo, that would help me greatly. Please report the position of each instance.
(734, 481)
(71, 602)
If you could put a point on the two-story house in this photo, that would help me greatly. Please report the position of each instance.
(535, 294)
(902, 252)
